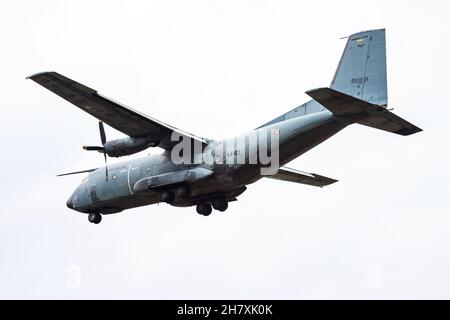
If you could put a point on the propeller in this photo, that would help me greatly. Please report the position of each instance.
(101, 148)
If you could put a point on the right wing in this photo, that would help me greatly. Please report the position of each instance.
(292, 175)
(116, 115)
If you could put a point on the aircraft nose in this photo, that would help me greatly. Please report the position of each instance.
(69, 203)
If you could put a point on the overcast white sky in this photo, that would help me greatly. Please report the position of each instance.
(217, 69)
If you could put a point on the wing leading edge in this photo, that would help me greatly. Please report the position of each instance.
(116, 115)
(311, 179)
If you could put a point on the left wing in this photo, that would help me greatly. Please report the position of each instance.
(116, 115)
(292, 175)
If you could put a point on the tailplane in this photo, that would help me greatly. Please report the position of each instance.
(352, 109)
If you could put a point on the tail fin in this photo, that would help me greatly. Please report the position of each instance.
(358, 91)
(361, 72)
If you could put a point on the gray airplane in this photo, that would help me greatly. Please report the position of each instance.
(357, 94)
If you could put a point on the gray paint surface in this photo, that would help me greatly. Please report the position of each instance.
(358, 95)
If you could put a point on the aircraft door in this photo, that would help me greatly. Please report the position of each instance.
(133, 176)
(93, 193)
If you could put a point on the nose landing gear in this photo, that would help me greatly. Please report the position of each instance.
(95, 218)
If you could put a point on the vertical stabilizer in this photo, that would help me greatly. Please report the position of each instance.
(361, 72)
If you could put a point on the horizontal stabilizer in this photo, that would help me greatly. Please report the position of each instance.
(362, 112)
(292, 175)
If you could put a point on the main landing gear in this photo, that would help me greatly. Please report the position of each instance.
(169, 196)
(95, 218)
(220, 205)
(205, 209)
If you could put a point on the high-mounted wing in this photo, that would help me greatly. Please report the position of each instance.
(116, 115)
(292, 175)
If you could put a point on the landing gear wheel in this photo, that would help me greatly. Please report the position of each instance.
(204, 209)
(95, 218)
(182, 192)
(167, 196)
(220, 205)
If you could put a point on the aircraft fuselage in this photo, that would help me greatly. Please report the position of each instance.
(112, 195)
(214, 173)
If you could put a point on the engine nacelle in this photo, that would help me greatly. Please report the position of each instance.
(127, 146)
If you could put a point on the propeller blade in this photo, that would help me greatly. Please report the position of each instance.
(93, 148)
(106, 166)
(100, 149)
(102, 132)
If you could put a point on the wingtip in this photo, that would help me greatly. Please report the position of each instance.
(308, 92)
(36, 75)
(409, 131)
(329, 183)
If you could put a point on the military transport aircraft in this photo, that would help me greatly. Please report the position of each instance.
(357, 94)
